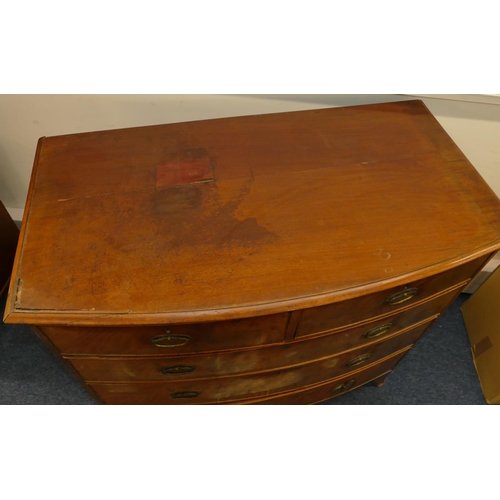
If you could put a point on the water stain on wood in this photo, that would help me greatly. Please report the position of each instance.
(180, 200)
(196, 215)
(248, 232)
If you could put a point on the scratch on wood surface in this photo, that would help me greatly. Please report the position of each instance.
(325, 140)
(384, 255)
(17, 300)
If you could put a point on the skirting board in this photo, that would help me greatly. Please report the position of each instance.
(16, 213)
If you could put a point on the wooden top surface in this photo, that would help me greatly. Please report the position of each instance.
(233, 217)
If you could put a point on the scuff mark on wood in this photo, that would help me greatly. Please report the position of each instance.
(17, 300)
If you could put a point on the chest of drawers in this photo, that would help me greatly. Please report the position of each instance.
(272, 259)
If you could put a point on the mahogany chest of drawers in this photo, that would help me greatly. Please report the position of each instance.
(272, 259)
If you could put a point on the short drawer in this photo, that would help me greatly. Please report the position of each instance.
(169, 339)
(342, 314)
(323, 392)
(384, 326)
(262, 384)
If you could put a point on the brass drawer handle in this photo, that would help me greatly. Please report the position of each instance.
(377, 331)
(174, 370)
(345, 386)
(185, 395)
(400, 297)
(170, 340)
(358, 360)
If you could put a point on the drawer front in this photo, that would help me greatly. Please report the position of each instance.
(168, 368)
(170, 339)
(236, 388)
(333, 388)
(341, 314)
(382, 327)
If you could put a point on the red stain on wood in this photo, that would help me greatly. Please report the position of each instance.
(181, 171)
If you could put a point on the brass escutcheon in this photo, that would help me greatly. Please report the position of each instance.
(345, 386)
(377, 331)
(170, 340)
(173, 370)
(185, 395)
(358, 360)
(400, 297)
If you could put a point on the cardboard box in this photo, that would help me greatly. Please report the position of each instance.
(481, 314)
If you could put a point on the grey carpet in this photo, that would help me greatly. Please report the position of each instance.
(438, 371)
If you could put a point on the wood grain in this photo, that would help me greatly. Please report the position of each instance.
(307, 208)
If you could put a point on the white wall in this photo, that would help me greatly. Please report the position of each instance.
(474, 126)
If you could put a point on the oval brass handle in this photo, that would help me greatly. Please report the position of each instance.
(400, 297)
(358, 360)
(185, 395)
(173, 370)
(170, 340)
(345, 386)
(377, 331)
